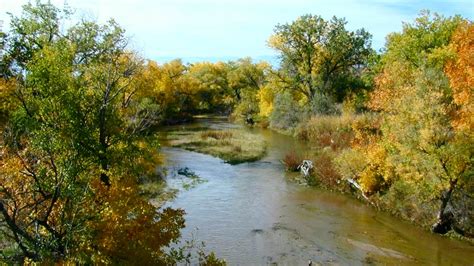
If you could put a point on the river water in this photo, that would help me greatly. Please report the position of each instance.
(250, 214)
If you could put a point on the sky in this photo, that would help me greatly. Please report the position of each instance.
(227, 29)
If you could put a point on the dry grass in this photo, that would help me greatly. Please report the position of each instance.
(328, 131)
(233, 146)
(216, 134)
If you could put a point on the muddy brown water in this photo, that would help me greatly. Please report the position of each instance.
(250, 214)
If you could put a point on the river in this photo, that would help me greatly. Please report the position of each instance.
(250, 214)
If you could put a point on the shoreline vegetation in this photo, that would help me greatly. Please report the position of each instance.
(234, 146)
(79, 109)
(338, 168)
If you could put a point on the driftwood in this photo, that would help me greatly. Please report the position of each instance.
(305, 167)
(356, 185)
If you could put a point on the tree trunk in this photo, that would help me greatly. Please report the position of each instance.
(445, 219)
(104, 178)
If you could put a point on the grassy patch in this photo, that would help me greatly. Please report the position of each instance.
(334, 132)
(233, 146)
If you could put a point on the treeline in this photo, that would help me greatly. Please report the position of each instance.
(79, 110)
(322, 65)
(181, 91)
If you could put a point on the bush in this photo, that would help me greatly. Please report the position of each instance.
(286, 112)
(408, 201)
(322, 104)
(355, 103)
(325, 170)
(292, 161)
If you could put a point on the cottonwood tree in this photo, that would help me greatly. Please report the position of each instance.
(73, 148)
(316, 54)
(246, 79)
(211, 86)
(423, 144)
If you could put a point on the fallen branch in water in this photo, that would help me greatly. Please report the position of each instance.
(356, 185)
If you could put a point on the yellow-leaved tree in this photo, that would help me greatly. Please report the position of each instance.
(419, 159)
(75, 145)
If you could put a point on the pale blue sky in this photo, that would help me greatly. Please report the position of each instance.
(239, 28)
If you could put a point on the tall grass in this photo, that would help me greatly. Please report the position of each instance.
(216, 134)
(328, 131)
(331, 135)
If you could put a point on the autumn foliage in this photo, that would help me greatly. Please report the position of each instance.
(460, 71)
(75, 145)
(419, 156)
(78, 111)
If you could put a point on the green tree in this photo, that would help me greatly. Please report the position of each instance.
(74, 146)
(246, 79)
(211, 86)
(320, 57)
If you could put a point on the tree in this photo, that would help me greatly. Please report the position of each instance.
(74, 146)
(317, 54)
(211, 86)
(176, 91)
(246, 75)
(246, 79)
(419, 149)
(461, 76)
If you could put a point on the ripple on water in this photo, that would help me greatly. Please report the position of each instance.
(250, 215)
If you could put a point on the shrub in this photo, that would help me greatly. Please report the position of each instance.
(367, 166)
(366, 129)
(411, 202)
(350, 163)
(322, 104)
(355, 103)
(325, 170)
(291, 161)
(286, 113)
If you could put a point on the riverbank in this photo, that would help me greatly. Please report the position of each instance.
(253, 209)
(330, 144)
(347, 148)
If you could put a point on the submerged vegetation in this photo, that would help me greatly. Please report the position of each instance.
(233, 146)
(80, 112)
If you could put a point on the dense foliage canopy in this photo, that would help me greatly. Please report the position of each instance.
(79, 111)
